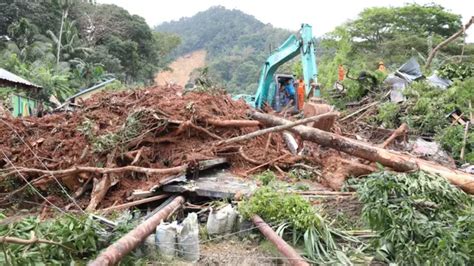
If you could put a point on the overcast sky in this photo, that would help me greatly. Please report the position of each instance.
(322, 15)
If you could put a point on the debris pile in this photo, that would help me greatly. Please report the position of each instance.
(140, 136)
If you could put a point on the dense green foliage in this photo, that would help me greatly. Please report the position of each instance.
(460, 71)
(452, 140)
(67, 45)
(237, 44)
(421, 219)
(293, 212)
(79, 238)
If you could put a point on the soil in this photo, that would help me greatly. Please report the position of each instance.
(165, 137)
(181, 69)
(237, 252)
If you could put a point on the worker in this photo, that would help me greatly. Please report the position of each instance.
(340, 73)
(290, 90)
(300, 91)
(382, 67)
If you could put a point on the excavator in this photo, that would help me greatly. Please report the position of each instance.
(270, 81)
(271, 90)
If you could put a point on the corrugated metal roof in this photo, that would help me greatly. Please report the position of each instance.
(10, 77)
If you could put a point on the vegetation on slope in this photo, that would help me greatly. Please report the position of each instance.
(67, 45)
(237, 44)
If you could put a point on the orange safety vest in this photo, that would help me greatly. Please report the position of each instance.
(340, 73)
(300, 94)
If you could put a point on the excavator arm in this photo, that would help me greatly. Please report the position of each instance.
(303, 45)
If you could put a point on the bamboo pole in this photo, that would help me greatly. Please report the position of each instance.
(286, 250)
(115, 252)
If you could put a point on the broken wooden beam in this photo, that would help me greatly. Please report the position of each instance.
(115, 252)
(396, 161)
(286, 250)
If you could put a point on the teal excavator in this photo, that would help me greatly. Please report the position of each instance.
(269, 91)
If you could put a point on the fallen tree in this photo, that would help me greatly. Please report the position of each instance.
(396, 161)
(315, 119)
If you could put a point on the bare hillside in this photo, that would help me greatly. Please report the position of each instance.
(182, 68)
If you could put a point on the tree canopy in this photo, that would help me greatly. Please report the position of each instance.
(79, 43)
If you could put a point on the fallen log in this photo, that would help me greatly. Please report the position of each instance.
(286, 250)
(115, 252)
(233, 123)
(279, 128)
(396, 161)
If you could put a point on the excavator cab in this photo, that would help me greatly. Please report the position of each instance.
(282, 100)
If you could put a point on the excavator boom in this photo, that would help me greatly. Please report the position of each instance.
(303, 45)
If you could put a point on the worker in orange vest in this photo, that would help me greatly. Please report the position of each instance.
(300, 92)
(340, 73)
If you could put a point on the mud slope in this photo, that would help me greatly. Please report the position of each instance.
(182, 68)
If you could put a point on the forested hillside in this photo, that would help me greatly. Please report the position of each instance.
(67, 45)
(237, 44)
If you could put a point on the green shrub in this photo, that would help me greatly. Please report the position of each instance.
(421, 219)
(388, 114)
(459, 71)
(294, 212)
(451, 139)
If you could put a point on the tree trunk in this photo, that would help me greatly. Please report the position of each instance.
(396, 161)
(63, 18)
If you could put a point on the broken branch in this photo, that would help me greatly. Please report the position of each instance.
(267, 163)
(98, 170)
(233, 123)
(447, 41)
(115, 252)
(279, 128)
(401, 131)
(293, 257)
(33, 240)
(241, 153)
(135, 203)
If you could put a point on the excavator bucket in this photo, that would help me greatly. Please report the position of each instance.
(316, 106)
